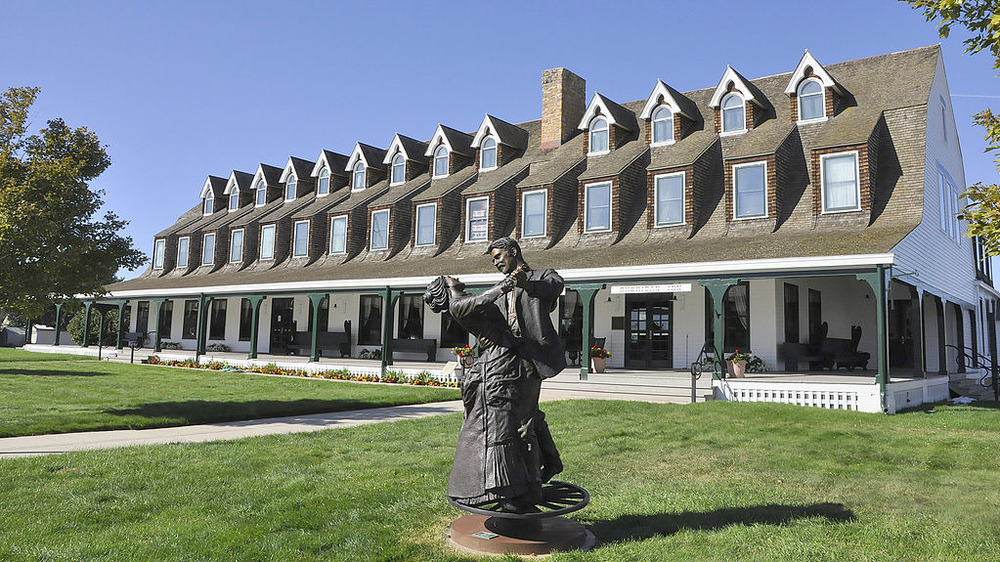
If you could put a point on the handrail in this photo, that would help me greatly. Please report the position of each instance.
(991, 371)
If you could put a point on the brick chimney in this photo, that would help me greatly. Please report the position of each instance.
(564, 99)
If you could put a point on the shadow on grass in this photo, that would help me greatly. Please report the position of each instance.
(50, 373)
(933, 407)
(640, 527)
(205, 411)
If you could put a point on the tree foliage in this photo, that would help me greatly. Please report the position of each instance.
(980, 19)
(52, 242)
(110, 335)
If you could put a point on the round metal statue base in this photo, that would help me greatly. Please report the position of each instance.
(491, 530)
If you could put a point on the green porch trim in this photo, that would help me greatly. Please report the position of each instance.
(314, 300)
(121, 317)
(255, 301)
(158, 307)
(389, 298)
(588, 291)
(199, 346)
(717, 288)
(86, 323)
(877, 281)
(58, 322)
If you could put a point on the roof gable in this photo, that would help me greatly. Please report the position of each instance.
(411, 149)
(238, 181)
(270, 174)
(333, 161)
(616, 114)
(302, 168)
(505, 133)
(214, 185)
(676, 101)
(456, 141)
(742, 85)
(808, 62)
(370, 155)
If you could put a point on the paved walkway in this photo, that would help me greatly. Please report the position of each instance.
(12, 447)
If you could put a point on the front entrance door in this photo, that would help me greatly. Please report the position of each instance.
(282, 326)
(649, 339)
(901, 333)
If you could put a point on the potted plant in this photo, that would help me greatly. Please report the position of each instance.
(736, 363)
(599, 358)
(464, 355)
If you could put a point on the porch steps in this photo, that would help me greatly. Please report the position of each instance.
(962, 385)
(663, 386)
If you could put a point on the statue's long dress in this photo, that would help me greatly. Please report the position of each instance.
(491, 459)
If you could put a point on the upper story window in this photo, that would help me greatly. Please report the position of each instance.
(236, 245)
(261, 194)
(944, 120)
(839, 182)
(669, 199)
(734, 117)
(183, 244)
(599, 136)
(398, 169)
(208, 206)
(380, 230)
(290, 188)
(477, 220)
(358, 181)
(300, 239)
(426, 224)
(441, 161)
(208, 249)
(158, 247)
(488, 154)
(234, 200)
(951, 204)
(338, 235)
(267, 242)
(663, 125)
(750, 190)
(533, 207)
(323, 187)
(597, 207)
(812, 102)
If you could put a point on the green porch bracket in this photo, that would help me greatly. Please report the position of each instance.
(86, 323)
(121, 318)
(199, 345)
(717, 288)
(158, 307)
(877, 281)
(587, 291)
(255, 301)
(314, 300)
(389, 298)
(58, 321)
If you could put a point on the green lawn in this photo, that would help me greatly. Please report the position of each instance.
(713, 481)
(39, 394)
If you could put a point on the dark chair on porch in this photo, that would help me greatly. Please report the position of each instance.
(842, 352)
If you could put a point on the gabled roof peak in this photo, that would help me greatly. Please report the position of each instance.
(676, 101)
(742, 85)
(807, 63)
(455, 140)
(213, 185)
(270, 174)
(616, 114)
(301, 167)
(367, 153)
(334, 161)
(238, 180)
(505, 133)
(411, 149)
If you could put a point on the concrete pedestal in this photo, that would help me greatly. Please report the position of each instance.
(495, 535)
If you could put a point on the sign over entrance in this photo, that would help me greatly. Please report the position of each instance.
(645, 289)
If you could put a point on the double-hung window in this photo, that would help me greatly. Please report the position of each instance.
(208, 249)
(441, 161)
(290, 188)
(209, 205)
(261, 197)
(358, 181)
(488, 154)
(183, 244)
(669, 195)
(380, 230)
(338, 235)
(426, 218)
(597, 207)
(734, 118)
(750, 190)
(300, 242)
(599, 136)
(217, 319)
(533, 206)
(398, 169)
(234, 200)
(812, 104)
(267, 242)
(663, 125)
(840, 186)
(323, 187)
(477, 220)
(236, 245)
(158, 248)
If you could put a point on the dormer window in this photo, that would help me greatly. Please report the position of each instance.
(812, 104)
(208, 249)
(183, 244)
(290, 188)
(158, 251)
(380, 230)
(441, 161)
(663, 125)
(358, 183)
(261, 194)
(208, 205)
(488, 154)
(734, 118)
(398, 169)
(599, 136)
(323, 187)
(234, 200)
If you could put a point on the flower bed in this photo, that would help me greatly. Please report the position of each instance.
(423, 378)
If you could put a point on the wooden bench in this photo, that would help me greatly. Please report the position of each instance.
(792, 353)
(410, 345)
(331, 342)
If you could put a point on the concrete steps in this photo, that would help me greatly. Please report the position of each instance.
(670, 387)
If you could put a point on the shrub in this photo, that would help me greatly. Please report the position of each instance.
(75, 327)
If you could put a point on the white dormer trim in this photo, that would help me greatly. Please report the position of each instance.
(207, 189)
(484, 131)
(807, 61)
(662, 91)
(289, 169)
(356, 155)
(320, 163)
(439, 138)
(395, 148)
(596, 106)
(722, 89)
(231, 184)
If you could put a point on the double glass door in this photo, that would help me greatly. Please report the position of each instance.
(649, 335)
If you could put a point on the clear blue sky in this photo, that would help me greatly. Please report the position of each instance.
(179, 90)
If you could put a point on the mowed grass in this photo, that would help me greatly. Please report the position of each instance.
(713, 481)
(66, 394)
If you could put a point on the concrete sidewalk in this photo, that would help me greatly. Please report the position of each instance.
(13, 447)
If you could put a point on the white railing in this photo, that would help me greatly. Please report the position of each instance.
(860, 397)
